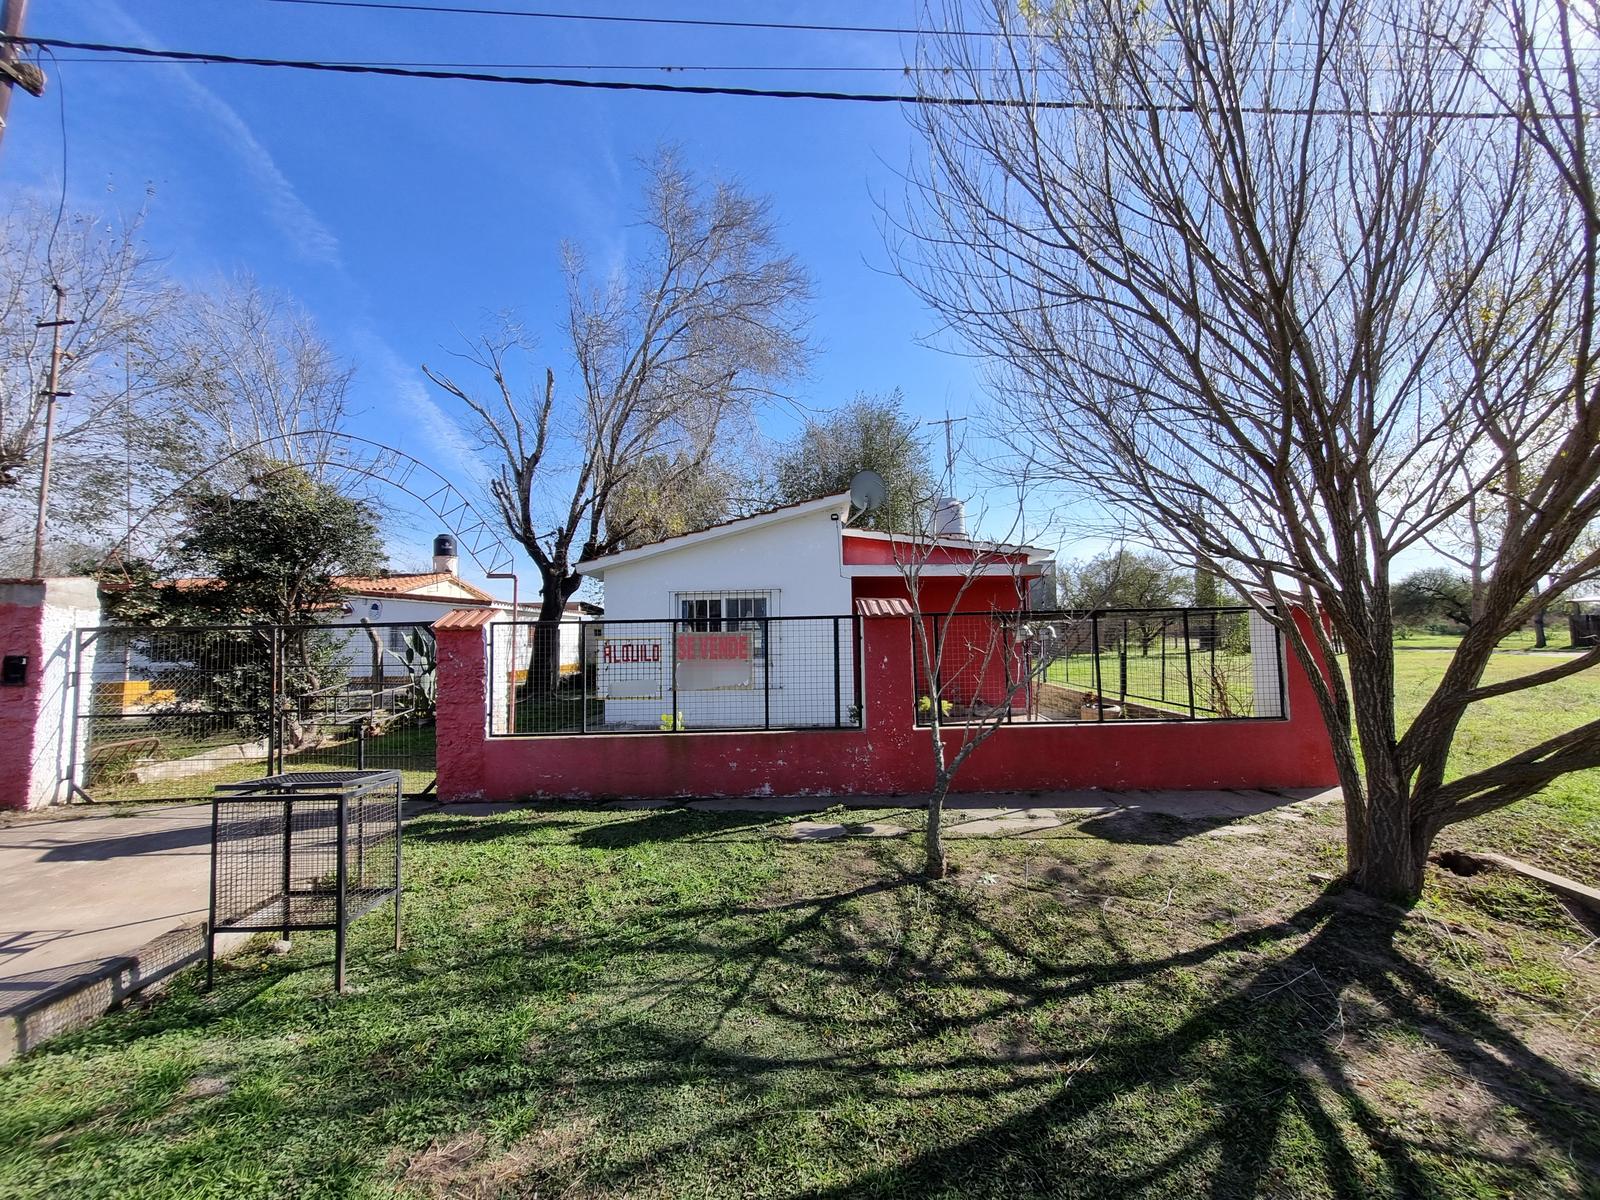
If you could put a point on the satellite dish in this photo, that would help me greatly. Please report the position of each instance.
(868, 491)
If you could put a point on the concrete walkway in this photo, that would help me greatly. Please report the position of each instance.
(111, 900)
(1117, 816)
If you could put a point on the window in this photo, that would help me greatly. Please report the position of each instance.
(728, 612)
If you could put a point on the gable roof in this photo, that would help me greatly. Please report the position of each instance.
(403, 585)
(839, 502)
(377, 585)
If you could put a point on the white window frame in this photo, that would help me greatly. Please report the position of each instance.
(722, 596)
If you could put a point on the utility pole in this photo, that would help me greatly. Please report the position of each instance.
(13, 70)
(949, 424)
(51, 393)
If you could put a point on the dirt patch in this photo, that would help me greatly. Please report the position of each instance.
(467, 1167)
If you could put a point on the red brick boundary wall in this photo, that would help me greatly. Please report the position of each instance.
(38, 619)
(890, 756)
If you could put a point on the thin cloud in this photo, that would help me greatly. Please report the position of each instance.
(310, 238)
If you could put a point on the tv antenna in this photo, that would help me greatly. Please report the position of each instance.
(949, 424)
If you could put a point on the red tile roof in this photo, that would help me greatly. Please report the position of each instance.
(465, 618)
(377, 585)
(391, 585)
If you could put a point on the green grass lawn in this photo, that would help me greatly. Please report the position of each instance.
(664, 1003)
(595, 1002)
(1560, 827)
(409, 749)
(1222, 682)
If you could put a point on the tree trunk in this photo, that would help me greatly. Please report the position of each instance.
(1539, 642)
(544, 656)
(1387, 848)
(1391, 856)
(935, 864)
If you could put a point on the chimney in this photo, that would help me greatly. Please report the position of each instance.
(444, 554)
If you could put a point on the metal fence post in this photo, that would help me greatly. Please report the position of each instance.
(1094, 654)
(1122, 666)
(1281, 667)
(1188, 663)
(399, 819)
(672, 638)
(288, 851)
(274, 701)
(766, 674)
(340, 884)
(583, 677)
(838, 700)
(211, 916)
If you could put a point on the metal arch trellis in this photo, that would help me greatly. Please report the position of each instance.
(383, 463)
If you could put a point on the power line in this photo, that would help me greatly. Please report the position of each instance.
(623, 85)
(392, 6)
(155, 59)
(903, 69)
(698, 22)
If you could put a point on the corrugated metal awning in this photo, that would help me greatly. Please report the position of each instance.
(873, 606)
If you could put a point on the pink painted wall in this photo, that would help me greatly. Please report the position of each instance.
(890, 756)
(39, 618)
(21, 632)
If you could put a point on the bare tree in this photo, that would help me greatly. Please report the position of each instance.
(1228, 255)
(248, 367)
(691, 339)
(970, 652)
(117, 298)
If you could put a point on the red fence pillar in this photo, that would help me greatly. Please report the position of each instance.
(901, 756)
(461, 706)
(38, 705)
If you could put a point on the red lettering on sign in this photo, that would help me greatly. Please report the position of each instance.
(713, 647)
(614, 652)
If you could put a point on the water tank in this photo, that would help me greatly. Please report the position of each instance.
(949, 517)
(444, 546)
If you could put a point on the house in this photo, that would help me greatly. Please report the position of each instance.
(749, 623)
(401, 608)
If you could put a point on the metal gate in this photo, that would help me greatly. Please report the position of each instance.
(169, 713)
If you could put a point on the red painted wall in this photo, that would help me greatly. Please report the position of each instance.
(890, 756)
(859, 551)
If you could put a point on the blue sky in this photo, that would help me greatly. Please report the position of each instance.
(400, 212)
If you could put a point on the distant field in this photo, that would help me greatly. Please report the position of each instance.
(1560, 827)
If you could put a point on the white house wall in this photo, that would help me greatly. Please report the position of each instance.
(797, 564)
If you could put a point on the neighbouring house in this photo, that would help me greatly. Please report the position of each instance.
(1583, 619)
(400, 607)
(749, 623)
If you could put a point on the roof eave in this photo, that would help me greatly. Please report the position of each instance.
(597, 567)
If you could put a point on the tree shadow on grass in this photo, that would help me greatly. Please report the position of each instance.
(892, 1038)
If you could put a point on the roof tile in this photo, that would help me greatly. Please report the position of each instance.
(465, 618)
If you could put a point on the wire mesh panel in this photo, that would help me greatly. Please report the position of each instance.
(1125, 664)
(304, 851)
(172, 712)
(368, 703)
(703, 673)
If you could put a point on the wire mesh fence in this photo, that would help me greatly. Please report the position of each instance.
(1180, 664)
(171, 712)
(674, 676)
(307, 850)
